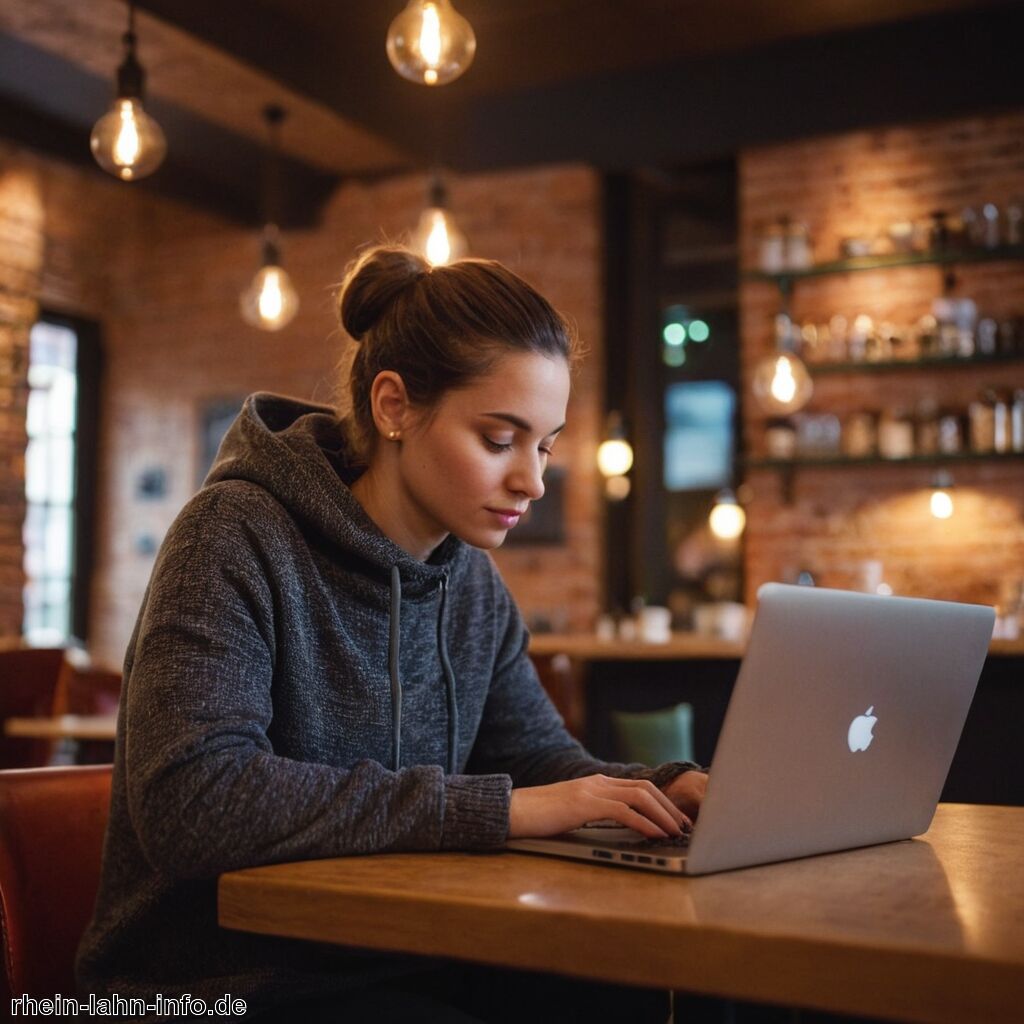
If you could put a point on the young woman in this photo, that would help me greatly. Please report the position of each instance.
(327, 662)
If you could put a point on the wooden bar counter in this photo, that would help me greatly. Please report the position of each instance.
(925, 930)
(615, 675)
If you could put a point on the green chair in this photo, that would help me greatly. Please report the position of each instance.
(654, 737)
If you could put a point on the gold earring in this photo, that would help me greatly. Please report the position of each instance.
(394, 435)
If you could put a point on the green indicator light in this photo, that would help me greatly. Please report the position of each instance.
(674, 355)
(699, 331)
(674, 334)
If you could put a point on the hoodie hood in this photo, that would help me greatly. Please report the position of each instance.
(298, 452)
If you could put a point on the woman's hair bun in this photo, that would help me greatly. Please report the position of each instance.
(373, 281)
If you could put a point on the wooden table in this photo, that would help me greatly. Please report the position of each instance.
(927, 930)
(64, 727)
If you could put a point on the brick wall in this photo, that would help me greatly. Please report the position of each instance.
(164, 281)
(21, 258)
(858, 184)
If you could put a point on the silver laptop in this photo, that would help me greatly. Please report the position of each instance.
(840, 732)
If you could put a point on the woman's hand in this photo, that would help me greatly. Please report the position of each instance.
(686, 791)
(561, 806)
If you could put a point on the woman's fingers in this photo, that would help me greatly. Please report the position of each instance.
(624, 803)
(625, 815)
(650, 793)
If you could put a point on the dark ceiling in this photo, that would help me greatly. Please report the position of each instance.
(614, 83)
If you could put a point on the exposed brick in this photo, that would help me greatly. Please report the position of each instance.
(858, 184)
(163, 280)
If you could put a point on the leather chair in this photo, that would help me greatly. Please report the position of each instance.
(52, 823)
(655, 737)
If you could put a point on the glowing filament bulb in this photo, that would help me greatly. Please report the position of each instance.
(783, 383)
(727, 519)
(126, 149)
(271, 300)
(942, 504)
(430, 43)
(439, 248)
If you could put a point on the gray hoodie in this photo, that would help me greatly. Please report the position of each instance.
(297, 686)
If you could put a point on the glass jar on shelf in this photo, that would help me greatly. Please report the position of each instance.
(797, 246)
(951, 432)
(1013, 231)
(987, 338)
(837, 331)
(780, 438)
(772, 250)
(895, 435)
(926, 331)
(981, 423)
(1001, 442)
(926, 435)
(860, 435)
(1017, 421)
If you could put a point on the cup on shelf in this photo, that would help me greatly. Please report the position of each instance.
(655, 624)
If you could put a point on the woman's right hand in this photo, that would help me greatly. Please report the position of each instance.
(561, 806)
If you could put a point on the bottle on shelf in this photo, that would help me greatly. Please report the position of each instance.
(981, 423)
(1017, 421)
(1000, 423)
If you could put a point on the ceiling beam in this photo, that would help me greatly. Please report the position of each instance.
(50, 105)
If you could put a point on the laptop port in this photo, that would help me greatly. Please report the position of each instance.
(629, 857)
(603, 854)
(644, 860)
(661, 862)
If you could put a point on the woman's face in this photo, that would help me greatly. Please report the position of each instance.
(472, 464)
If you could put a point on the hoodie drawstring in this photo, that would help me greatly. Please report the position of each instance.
(396, 682)
(449, 680)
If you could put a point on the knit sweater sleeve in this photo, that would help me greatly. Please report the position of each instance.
(522, 733)
(206, 791)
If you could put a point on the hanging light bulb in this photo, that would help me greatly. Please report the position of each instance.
(615, 453)
(430, 42)
(270, 302)
(781, 382)
(436, 235)
(727, 519)
(941, 499)
(126, 141)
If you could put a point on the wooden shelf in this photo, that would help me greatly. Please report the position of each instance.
(934, 258)
(928, 363)
(842, 461)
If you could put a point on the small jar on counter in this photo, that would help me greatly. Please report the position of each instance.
(860, 435)
(895, 435)
(780, 438)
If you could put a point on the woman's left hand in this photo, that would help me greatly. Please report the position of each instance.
(686, 791)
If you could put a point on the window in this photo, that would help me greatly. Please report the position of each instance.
(55, 533)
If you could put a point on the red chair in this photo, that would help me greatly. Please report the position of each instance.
(28, 684)
(87, 691)
(52, 822)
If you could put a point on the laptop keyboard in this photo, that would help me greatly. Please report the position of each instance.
(678, 842)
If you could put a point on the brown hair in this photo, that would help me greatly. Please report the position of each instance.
(439, 327)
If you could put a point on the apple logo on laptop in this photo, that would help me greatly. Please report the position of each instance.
(859, 737)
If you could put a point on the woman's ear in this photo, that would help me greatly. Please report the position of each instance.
(390, 404)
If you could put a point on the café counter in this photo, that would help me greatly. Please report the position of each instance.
(589, 678)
